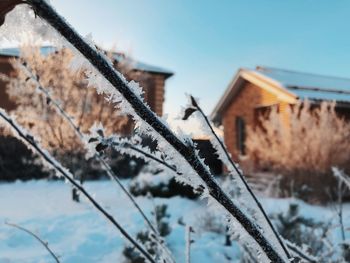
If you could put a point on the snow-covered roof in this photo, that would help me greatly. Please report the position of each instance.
(141, 65)
(311, 86)
(291, 85)
(137, 65)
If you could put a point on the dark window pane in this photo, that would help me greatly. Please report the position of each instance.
(240, 135)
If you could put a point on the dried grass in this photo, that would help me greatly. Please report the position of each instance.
(303, 147)
(70, 89)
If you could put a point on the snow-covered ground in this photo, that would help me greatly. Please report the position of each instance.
(78, 233)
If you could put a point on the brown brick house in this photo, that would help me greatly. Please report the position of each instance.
(253, 92)
(153, 84)
(18, 163)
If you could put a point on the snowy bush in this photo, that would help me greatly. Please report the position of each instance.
(159, 183)
(147, 238)
(66, 86)
(303, 231)
(53, 71)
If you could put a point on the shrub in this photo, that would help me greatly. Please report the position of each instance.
(18, 162)
(125, 166)
(302, 144)
(301, 231)
(147, 238)
(159, 183)
(35, 111)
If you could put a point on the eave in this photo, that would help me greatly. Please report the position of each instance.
(255, 78)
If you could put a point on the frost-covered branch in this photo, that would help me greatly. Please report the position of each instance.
(125, 146)
(247, 255)
(105, 166)
(226, 158)
(53, 163)
(128, 147)
(300, 253)
(26, 69)
(31, 76)
(129, 98)
(44, 243)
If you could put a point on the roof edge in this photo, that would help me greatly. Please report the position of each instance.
(214, 116)
(262, 68)
(140, 66)
(255, 78)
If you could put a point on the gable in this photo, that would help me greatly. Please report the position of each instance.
(264, 86)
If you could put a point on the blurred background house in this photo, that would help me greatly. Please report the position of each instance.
(153, 84)
(84, 105)
(305, 143)
(253, 92)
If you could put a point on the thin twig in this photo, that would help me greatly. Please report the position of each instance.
(250, 191)
(188, 241)
(340, 209)
(249, 256)
(29, 139)
(47, 13)
(152, 157)
(342, 184)
(97, 156)
(76, 129)
(301, 253)
(45, 244)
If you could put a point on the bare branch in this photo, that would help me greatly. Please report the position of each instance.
(97, 156)
(240, 174)
(343, 182)
(247, 255)
(189, 241)
(46, 12)
(30, 141)
(45, 244)
(302, 254)
(106, 167)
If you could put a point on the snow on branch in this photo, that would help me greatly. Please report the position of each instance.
(133, 148)
(87, 141)
(225, 157)
(301, 253)
(51, 162)
(128, 98)
(338, 206)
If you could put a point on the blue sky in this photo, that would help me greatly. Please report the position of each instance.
(204, 42)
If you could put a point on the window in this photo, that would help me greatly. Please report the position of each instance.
(240, 135)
